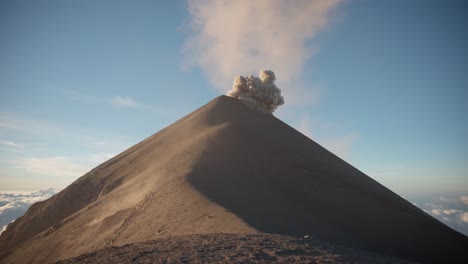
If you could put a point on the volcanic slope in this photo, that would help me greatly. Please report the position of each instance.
(226, 168)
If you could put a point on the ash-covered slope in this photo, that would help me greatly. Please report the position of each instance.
(233, 248)
(226, 168)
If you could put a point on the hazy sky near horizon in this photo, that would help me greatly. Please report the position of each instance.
(382, 84)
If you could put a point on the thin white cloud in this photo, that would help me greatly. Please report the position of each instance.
(228, 38)
(51, 166)
(11, 144)
(60, 166)
(44, 131)
(124, 101)
(119, 101)
(128, 102)
(43, 135)
(48, 171)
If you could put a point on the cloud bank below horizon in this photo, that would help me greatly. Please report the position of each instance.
(14, 205)
(452, 211)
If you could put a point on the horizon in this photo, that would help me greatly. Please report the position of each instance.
(382, 85)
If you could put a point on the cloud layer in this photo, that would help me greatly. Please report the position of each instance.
(124, 101)
(230, 37)
(452, 211)
(14, 205)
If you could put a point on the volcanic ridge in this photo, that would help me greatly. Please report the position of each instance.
(230, 170)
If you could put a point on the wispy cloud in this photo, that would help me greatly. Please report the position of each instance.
(51, 166)
(51, 132)
(228, 38)
(60, 166)
(12, 146)
(124, 101)
(116, 101)
(128, 102)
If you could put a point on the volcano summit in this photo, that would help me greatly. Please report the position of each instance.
(226, 168)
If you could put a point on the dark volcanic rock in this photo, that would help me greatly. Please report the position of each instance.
(232, 248)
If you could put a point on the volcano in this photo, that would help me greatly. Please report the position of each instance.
(226, 168)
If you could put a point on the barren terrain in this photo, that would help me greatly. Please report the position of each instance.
(232, 248)
(226, 168)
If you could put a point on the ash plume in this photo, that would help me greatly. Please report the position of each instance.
(225, 38)
(261, 91)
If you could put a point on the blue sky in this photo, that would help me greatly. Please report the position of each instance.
(385, 87)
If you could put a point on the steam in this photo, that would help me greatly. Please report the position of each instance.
(261, 91)
(228, 37)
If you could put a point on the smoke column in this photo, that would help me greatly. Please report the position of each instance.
(228, 37)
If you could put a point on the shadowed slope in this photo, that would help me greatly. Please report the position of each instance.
(225, 168)
(279, 181)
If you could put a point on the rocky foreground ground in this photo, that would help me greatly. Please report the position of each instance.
(232, 248)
